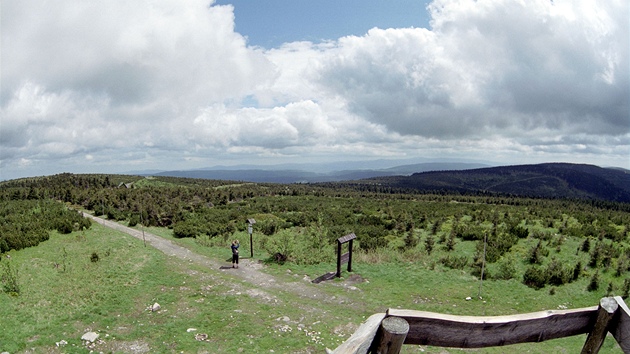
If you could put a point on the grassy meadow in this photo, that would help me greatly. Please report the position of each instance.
(64, 292)
(62, 277)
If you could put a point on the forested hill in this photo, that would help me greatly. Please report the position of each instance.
(549, 180)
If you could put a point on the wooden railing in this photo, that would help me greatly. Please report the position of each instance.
(385, 333)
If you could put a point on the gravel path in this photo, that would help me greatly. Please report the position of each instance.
(247, 270)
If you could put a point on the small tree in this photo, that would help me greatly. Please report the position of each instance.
(450, 243)
(537, 253)
(10, 283)
(586, 245)
(185, 229)
(134, 220)
(507, 269)
(535, 277)
(594, 283)
(410, 239)
(577, 271)
(595, 256)
(281, 245)
(429, 242)
(557, 274)
(623, 265)
(610, 289)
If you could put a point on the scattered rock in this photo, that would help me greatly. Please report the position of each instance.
(468, 298)
(155, 307)
(191, 330)
(61, 343)
(90, 337)
(285, 328)
(201, 336)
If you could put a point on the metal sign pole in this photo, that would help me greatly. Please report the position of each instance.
(251, 241)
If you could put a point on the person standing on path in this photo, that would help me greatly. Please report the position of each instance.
(234, 247)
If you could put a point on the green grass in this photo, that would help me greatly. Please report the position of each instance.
(111, 297)
(64, 294)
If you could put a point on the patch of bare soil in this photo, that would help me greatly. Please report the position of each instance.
(134, 347)
(249, 270)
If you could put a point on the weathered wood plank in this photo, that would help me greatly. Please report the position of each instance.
(605, 313)
(429, 328)
(620, 326)
(361, 341)
(346, 238)
(345, 257)
(338, 274)
(391, 336)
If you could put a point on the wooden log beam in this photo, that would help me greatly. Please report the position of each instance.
(392, 335)
(350, 256)
(361, 340)
(605, 313)
(338, 274)
(429, 328)
(620, 326)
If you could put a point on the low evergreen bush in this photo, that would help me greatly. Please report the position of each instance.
(535, 277)
(10, 280)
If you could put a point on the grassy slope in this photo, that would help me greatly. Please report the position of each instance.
(111, 296)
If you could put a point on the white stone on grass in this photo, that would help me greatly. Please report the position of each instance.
(90, 337)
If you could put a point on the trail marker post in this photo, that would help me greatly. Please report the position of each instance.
(346, 257)
(250, 231)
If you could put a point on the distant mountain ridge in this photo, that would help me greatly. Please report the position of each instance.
(548, 180)
(307, 173)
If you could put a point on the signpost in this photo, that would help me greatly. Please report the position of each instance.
(346, 257)
(250, 230)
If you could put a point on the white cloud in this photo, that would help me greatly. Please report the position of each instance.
(89, 76)
(169, 84)
(491, 67)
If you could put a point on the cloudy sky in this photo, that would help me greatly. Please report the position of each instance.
(115, 86)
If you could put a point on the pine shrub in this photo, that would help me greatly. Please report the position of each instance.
(535, 277)
(454, 262)
(594, 283)
(10, 280)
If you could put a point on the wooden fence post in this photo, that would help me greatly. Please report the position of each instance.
(392, 335)
(338, 274)
(605, 313)
(363, 338)
(620, 328)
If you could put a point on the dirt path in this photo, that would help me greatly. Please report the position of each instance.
(247, 270)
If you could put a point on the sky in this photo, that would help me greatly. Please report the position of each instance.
(116, 86)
